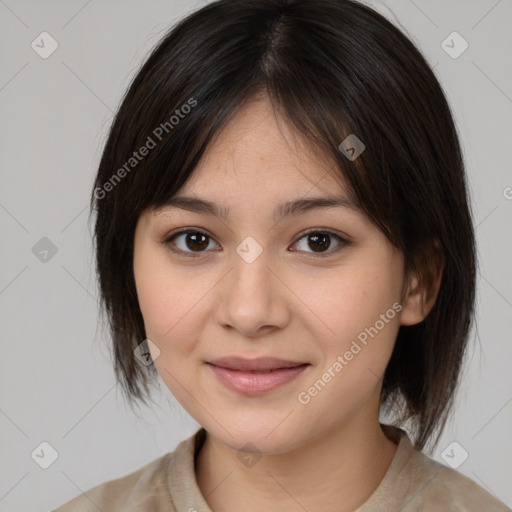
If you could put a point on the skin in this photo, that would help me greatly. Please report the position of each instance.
(291, 303)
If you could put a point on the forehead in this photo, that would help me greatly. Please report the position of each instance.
(259, 153)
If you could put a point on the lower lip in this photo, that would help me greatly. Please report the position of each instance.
(253, 383)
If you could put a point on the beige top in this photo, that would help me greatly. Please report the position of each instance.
(413, 482)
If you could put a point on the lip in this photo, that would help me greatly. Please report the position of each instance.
(255, 376)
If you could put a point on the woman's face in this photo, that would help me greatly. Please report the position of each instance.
(254, 284)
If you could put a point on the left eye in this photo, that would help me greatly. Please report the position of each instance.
(197, 241)
(320, 240)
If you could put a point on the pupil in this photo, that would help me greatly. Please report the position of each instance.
(322, 237)
(194, 237)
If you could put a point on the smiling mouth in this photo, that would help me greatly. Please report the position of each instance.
(259, 364)
(259, 372)
(256, 376)
(256, 371)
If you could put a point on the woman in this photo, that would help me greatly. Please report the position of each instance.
(283, 236)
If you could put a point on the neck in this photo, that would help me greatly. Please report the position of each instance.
(335, 472)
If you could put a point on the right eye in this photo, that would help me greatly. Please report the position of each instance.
(193, 239)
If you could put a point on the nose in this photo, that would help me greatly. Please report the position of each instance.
(252, 298)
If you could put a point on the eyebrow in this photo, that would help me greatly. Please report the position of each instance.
(290, 208)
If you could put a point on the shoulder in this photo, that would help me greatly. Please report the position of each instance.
(144, 489)
(439, 486)
(415, 482)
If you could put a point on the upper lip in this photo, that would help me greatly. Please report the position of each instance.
(259, 363)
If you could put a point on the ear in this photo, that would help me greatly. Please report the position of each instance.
(422, 286)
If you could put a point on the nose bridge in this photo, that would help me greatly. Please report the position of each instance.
(251, 275)
(249, 298)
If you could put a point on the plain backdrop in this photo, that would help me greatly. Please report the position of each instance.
(57, 384)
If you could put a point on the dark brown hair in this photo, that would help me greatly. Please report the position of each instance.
(330, 68)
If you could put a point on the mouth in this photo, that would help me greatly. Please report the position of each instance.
(260, 364)
(255, 376)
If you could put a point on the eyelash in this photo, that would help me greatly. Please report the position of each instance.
(169, 240)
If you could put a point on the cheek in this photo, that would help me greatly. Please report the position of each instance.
(172, 301)
(158, 303)
(361, 307)
(362, 312)
(355, 299)
(168, 311)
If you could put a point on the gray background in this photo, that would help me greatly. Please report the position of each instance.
(57, 382)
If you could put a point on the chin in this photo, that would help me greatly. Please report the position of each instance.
(257, 434)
